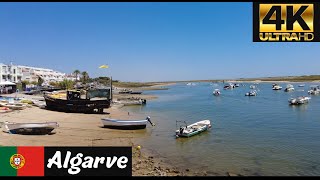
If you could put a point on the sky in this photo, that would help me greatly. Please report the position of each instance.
(145, 42)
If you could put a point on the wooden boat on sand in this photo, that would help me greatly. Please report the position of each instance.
(29, 128)
(74, 103)
(126, 124)
(193, 129)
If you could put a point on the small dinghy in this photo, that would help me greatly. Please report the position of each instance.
(193, 129)
(29, 128)
(126, 124)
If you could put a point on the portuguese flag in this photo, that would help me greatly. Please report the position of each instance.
(21, 161)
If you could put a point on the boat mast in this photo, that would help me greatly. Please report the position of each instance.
(110, 88)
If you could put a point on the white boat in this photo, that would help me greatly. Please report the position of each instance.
(29, 128)
(129, 102)
(289, 88)
(299, 100)
(193, 129)
(14, 106)
(191, 84)
(216, 92)
(276, 87)
(314, 90)
(252, 86)
(251, 93)
(301, 85)
(126, 124)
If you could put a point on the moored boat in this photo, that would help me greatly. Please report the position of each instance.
(29, 128)
(126, 124)
(193, 129)
(289, 88)
(251, 93)
(216, 92)
(276, 87)
(299, 100)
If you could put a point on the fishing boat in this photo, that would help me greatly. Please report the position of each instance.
(216, 92)
(299, 100)
(251, 93)
(193, 129)
(29, 128)
(74, 103)
(126, 124)
(228, 86)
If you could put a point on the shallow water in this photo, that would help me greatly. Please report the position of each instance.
(261, 135)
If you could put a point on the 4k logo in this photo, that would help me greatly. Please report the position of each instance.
(294, 22)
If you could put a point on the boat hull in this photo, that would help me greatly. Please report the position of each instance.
(29, 128)
(124, 124)
(76, 106)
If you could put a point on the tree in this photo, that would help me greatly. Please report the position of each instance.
(85, 76)
(66, 84)
(76, 73)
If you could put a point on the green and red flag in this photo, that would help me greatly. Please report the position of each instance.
(22, 161)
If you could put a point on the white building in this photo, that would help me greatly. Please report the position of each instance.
(10, 73)
(48, 75)
(18, 73)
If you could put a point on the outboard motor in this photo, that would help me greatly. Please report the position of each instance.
(149, 119)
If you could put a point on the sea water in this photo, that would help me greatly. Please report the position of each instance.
(250, 135)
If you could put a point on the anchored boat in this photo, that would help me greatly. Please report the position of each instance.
(193, 129)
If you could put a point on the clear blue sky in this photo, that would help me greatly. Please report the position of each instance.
(147, 41)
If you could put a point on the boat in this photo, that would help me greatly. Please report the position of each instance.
(228, 86)
(216, 92)
(276, 87)
(126, 124)
(252, 86)
(299, 100)
(289, 88)
(193, 129)
(136, 92)
(301, 85)
(131, 102)
(14, 106)
(29, 128)
(251, 93)
(74, 103)
(191, 84)
(314, 90)
(125, 91)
